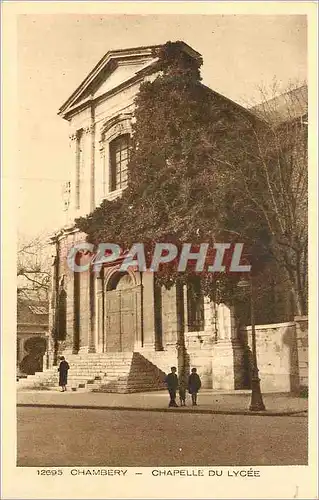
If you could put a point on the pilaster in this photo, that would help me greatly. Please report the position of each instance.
(185, 309)
(169, 317)
(92, 320)
(228, 352)
(99, 319)
(139, 339)
(74, 174)
(86, 171)
(148, 311)
(84, 310)
(91, 132)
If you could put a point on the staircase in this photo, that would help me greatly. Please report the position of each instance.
(40, 380)
(118, 372)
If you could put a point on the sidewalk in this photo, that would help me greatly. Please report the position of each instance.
(214, 402)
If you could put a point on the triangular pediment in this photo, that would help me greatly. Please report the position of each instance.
(112, 71)
(124, 72)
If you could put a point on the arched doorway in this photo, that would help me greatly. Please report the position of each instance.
(121, 313)
(33, 361)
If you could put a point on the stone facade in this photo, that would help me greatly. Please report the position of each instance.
(282, 352)
(153, 322)
(108, 312)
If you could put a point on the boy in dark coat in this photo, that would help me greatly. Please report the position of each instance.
(194, 384)
(63, 373)
(172, 385)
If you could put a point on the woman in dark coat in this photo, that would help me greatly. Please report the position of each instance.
(63, 373)
(194, 384)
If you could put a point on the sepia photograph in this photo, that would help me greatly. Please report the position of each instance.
(162, 273)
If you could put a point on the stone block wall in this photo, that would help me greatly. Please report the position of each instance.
(199, 349)
(228, 366)
(198, 352)
(281, 357)
(217, 353)
(162, 359)
(302, 347)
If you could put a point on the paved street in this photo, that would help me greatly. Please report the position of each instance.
(208, 401)
(94, 437)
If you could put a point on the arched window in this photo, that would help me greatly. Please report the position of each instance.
(120, 281)
(119, 157)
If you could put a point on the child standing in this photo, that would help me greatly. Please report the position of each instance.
(172, 385)
(182, 391)
(194, 384)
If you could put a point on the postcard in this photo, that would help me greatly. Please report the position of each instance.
(159, 266)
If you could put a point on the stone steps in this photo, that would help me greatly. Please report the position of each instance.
(99, 357)
(97, 369)
(107, 372)
(48, 378)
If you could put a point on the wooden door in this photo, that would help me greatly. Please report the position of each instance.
(113, 321)
(128, 319)
(120, 320)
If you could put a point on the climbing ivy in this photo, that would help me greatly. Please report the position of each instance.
(181, 188)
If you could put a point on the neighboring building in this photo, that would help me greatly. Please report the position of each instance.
(97, 318)
(287, 114)
(285, 108)
(32, 333)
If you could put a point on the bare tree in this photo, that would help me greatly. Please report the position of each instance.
(33, 266)
(274, 176)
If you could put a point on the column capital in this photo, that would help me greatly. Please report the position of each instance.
(73, 136)
(89, 129)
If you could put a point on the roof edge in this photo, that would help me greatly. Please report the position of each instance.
(113, 55)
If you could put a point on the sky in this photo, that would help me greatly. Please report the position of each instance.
(56, 52)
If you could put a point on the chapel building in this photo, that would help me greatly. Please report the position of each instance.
(119, 331)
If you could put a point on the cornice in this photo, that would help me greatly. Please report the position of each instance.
(63, 232)
(93, 101)
(112, 59)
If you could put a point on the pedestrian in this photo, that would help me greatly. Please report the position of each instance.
(194, 384)
(182, 391)
(63, 373)
(172, 385)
